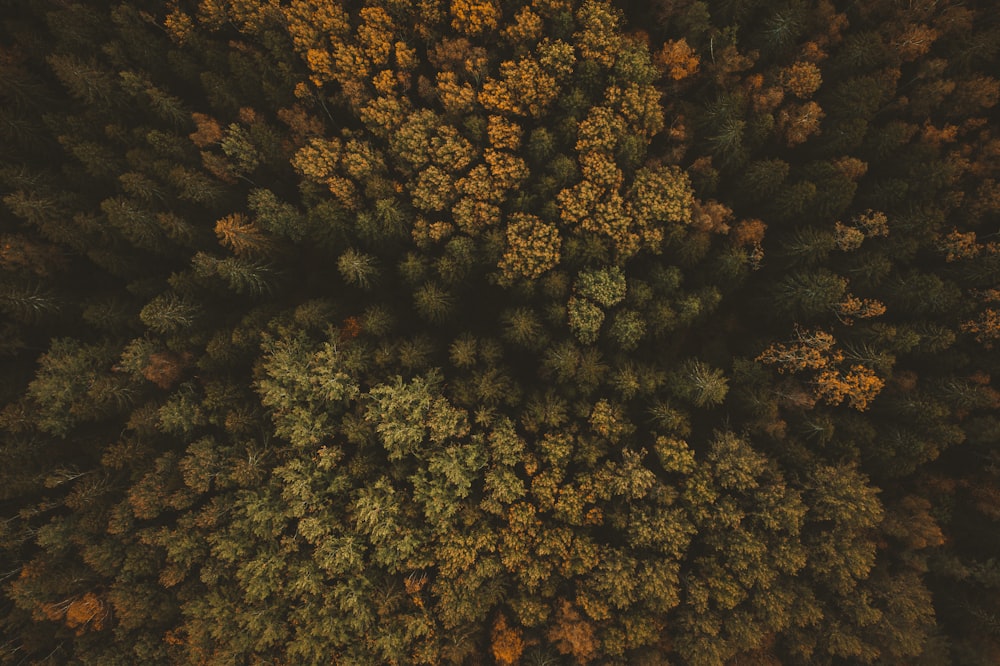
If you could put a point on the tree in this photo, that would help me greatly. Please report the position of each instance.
(532, 247)
(598, 38)
(433, 302)
(809, 295)
(677, 59)
(74, 384)
(306, 387)
(358, 269)
(525, 88)
(700, 384)
(241, 235)
(474, 18)
(573, 635)
(507, 644)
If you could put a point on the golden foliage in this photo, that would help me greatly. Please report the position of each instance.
(310, 23)
(385, 82)
(863, 308)
(241, 235)
(473, 215)
(557, 58)
(507, 170)
(959, 245)
(406, 57)
(455, 97)
(318, 160)
(914, 41)
(599, 39)
(639, 105)
(361, 161)
(600, 169)
(608, 420)
(600, 130)
(532, 247)
(383, 115)
(478, 184)
(432, 190)
(873, 223)
(526, 28)
(348, 65)
(986, 328)
(425, 233)
(816, 351)
(801, 79)
(858, 386)
(165, 368)
(208, 130)
(474, 17)
(524, 88)
(811, 350)
(212, 12)
(748, 233)
(577, 202)
(800, 121)
(503, 134)
(662, 194)
(847, 238)
(573, 635)
(376, 34)
(179, 25)
(506, 642)
(677, 59)
(82, 613)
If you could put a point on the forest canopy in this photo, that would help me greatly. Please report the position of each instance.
(499, 332)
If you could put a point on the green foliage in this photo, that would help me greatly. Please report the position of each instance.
(606, 286)
(71, 385)
(307, 387)
(433, 302)
(703, 385)
(405, 413)
(169, 313)
(241, 274)
(358, 269)
(585, 319)
(627, 329)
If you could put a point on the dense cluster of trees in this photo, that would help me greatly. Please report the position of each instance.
(481, 332)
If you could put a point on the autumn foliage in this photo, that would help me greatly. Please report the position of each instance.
(507, 644)
(445, 332)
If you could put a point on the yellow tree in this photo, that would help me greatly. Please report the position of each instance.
(238, 233)
(532, 247)
(507, 643)
(524, 87)
(573, 634)
(815, 353)
(801, 79)
(474, 17)
(677, 59)
(599, 38)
